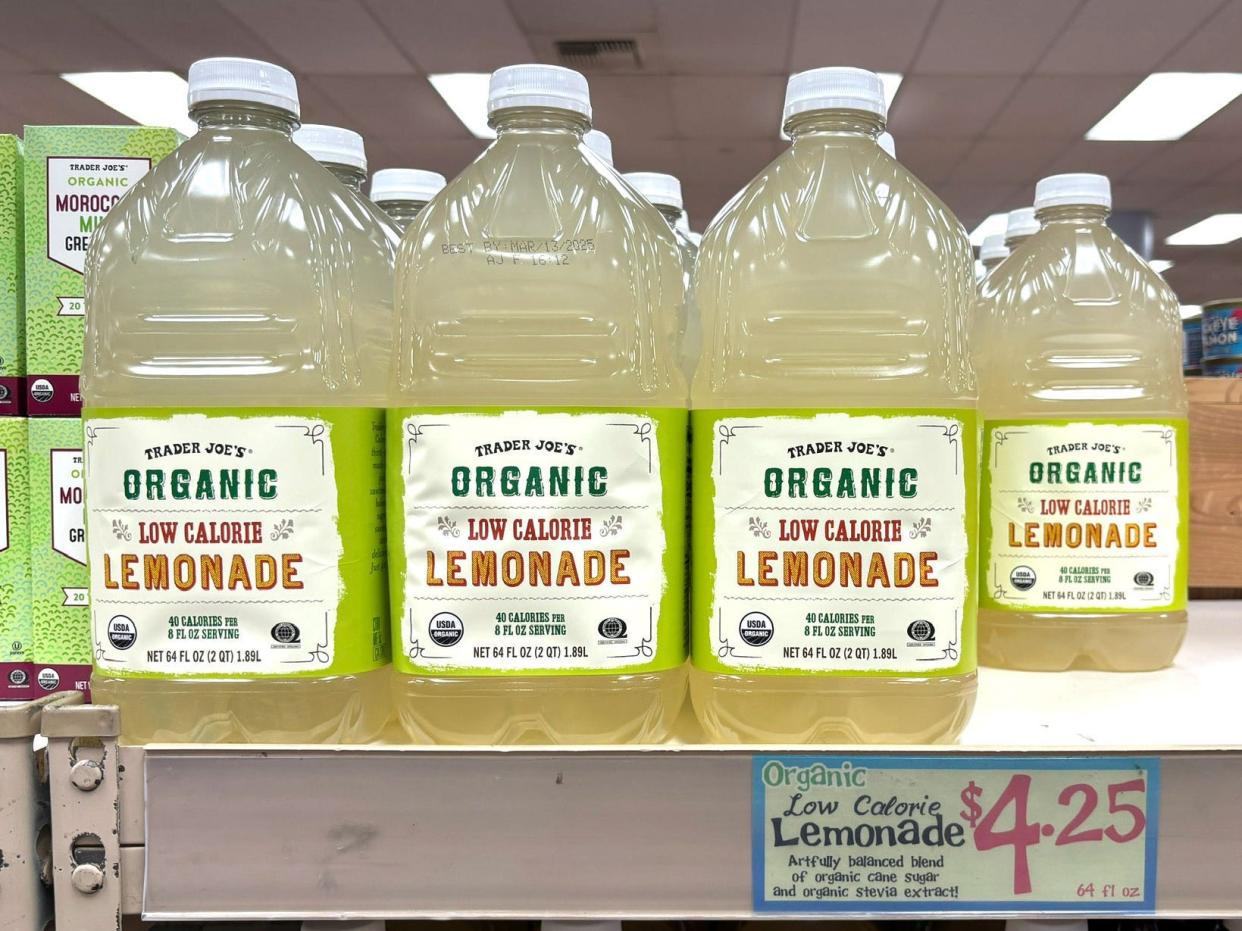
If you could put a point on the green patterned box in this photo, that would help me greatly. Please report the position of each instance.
(16, 677)
(73, 176)
(12, 292)
(59, 580)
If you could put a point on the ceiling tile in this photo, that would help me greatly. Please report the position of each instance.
(1114, 159)
(948, 105)
(447, 156)
(175, 35)
(932, 158)
(392, 107)
(1211, 47)
(1130, 195)
(1185, 162)
(728, 106)
(322, 36)
(972, 201)
(1059, 105)
(447, 37)
(640, 153)
(1000, 161)
(38, 99)
(57, 37)
(585, 19)
(879, 34)
(1124, 36)
(726, 36)
(1224, 125)
(632, 103)
(987, 37)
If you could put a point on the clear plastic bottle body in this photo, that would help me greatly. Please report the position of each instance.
(583, 334)
(834, 280)
(689, 337)
(239, 273)
(1077, 325)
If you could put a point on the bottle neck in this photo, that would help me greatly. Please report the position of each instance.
(402, 211)
(348, 175)
(1013, 242)
(233, 114)
(836, 123)
(519, 121)
(672, 214)
(1075, 214)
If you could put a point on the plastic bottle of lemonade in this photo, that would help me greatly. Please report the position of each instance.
(537, 450)
(834, 443)
(1085, 508)
(1020, 226)
(402, 193)
(599, 143)
(993, 252)
(237, 347)
(888, 145)
(339, 150)
(663, 192)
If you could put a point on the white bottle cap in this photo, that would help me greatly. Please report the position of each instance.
(1021, 222)
(834, 89)
(993, 248)
(242, 79)
(600, 144)
(886, 143)
(1063, 190)
(538, 86)
(332, 144)
(411, 184)
(662, 190)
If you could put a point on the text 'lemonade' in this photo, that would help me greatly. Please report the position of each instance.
(536, 450)
(834, 443)
(1085, 511)
(238, 345)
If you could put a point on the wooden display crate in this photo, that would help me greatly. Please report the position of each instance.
(1215, 485)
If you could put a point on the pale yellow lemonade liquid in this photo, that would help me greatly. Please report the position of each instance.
(536, 279)
(1079, 329)
(834, 280)
(240, 273)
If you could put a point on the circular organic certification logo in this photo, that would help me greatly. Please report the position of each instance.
(1022, 578)
(756, 628)
(49, 679)
(612, 628)
(446, 629)
(41, 390)
(17, 677)
(122, 631)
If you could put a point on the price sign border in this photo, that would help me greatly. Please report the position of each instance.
(1016, 762)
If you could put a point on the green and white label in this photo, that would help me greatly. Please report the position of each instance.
(537, 541)
(836, 542)
(235, 542)
(1085, 516)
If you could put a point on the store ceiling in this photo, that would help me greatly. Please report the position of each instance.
(996, 92)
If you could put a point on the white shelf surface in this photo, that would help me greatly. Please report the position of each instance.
(636, 832)
(1193, 704)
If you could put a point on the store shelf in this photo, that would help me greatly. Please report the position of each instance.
(638, 832)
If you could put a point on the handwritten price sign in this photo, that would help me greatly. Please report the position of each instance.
(920, 834)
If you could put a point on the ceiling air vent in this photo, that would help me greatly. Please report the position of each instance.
(599, 54)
